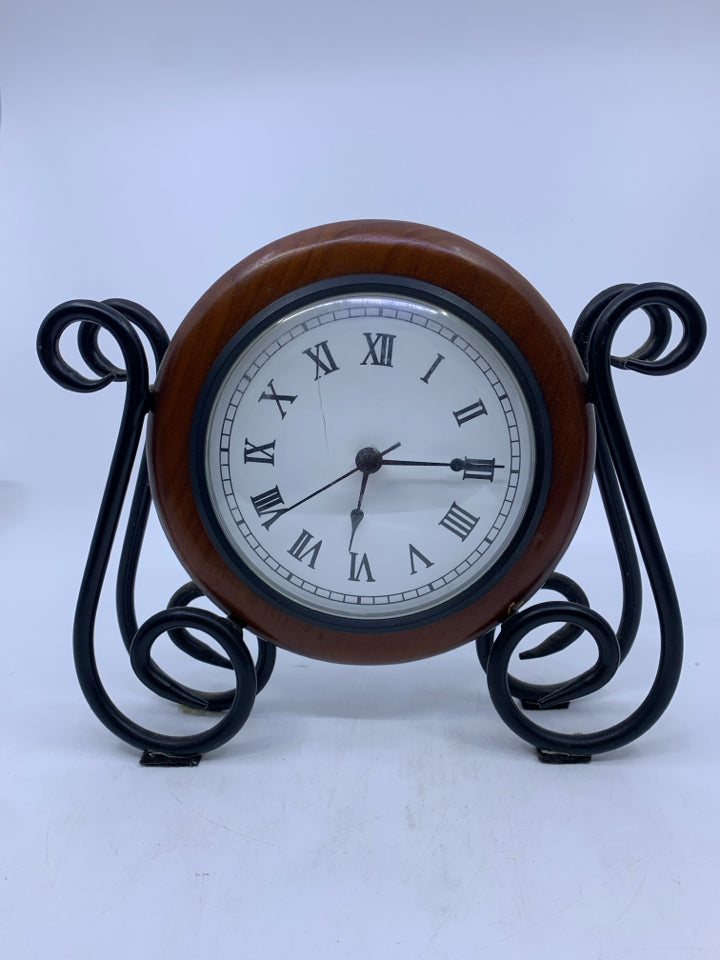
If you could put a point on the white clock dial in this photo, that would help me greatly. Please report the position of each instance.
(369, 456)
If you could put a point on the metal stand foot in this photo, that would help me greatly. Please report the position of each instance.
(534, 705)
(150, 759)
(552, 756)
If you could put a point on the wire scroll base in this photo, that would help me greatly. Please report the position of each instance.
(628, 512)
(125, 321)
(629, 517)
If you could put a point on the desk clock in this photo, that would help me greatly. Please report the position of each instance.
(368, 443)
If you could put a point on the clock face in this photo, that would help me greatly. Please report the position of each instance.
(370, 451)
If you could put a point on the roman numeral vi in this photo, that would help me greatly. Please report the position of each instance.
(356, 569)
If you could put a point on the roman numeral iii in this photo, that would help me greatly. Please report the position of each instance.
(480, 469)
(459, 521)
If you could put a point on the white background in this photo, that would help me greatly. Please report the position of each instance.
(145, 147)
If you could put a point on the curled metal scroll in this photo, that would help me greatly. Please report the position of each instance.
(628, 512)
(123, 319)
(201, 651)
(629, 516)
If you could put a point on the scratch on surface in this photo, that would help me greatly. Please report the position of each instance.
(237, 833)
(623, 870)
(449, 914)
(531, 926)
(446, 919)
(322, 412)
(640, 884)
(520, 903)
(440, 822)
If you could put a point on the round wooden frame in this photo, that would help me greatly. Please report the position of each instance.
(372, 247)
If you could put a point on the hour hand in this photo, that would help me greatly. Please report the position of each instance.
(357, 514)
(355, 518)
(368, 460)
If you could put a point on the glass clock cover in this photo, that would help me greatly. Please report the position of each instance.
(370, 455)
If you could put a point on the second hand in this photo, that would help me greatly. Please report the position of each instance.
(332, 483)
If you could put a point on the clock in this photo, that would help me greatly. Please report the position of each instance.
(370, 441)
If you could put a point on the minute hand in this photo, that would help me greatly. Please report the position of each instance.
(457, 464)
(484, 469)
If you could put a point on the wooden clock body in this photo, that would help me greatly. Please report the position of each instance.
(397, 249)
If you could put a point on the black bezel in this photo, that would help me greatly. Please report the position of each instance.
(363, 284)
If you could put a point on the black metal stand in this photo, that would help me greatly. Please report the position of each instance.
(123, 319)
(626, 505)
(620, 486)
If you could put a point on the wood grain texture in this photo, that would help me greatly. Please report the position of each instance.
(402, 249)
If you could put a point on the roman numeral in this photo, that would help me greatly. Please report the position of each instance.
(303, 547)
(480, 469)
(266, 503)
(414, 552)
(263, 453)
(459, 521)
(360, 568)
(279, 398)
(385, 343)
(433, 368)
(476, 409)
(325, 364)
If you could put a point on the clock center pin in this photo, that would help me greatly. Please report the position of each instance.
(368, 460)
